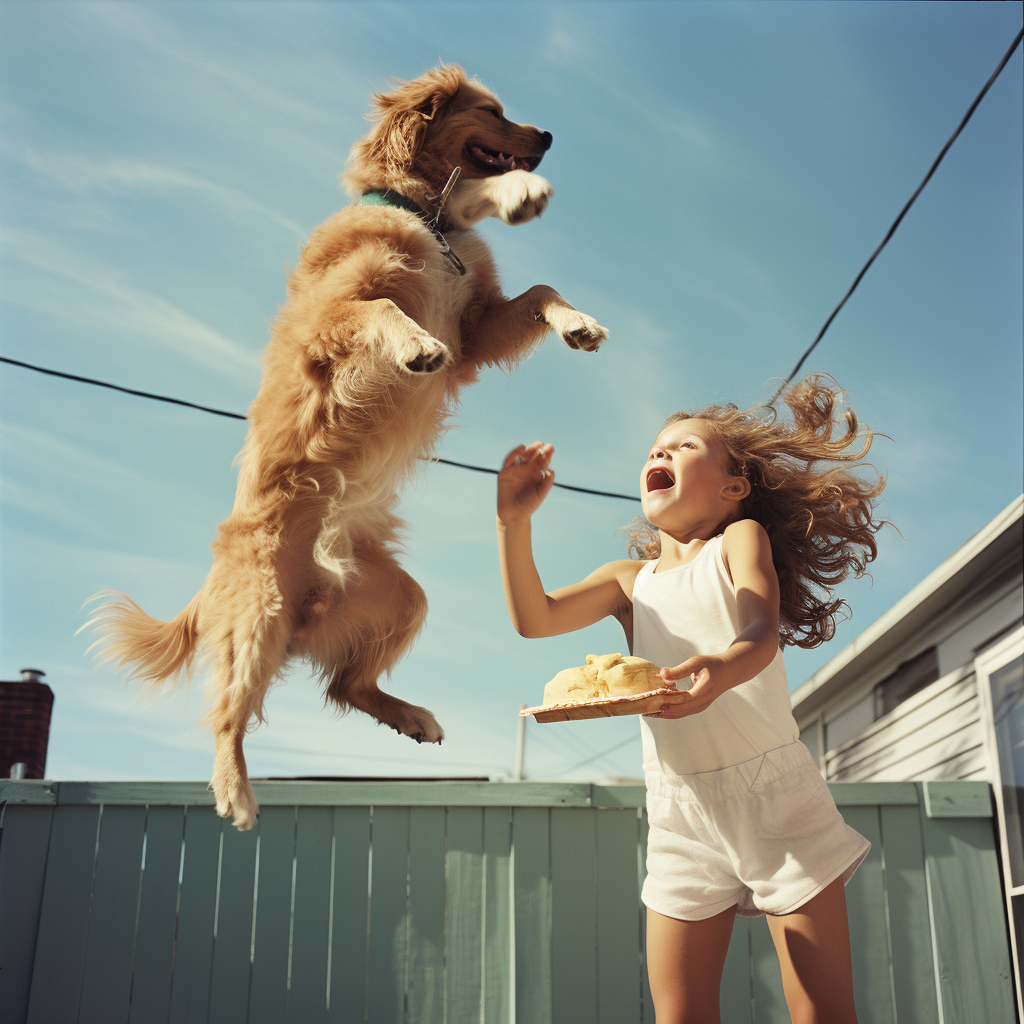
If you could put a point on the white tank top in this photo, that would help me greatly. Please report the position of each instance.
(691, 610)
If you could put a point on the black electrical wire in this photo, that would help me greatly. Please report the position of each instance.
(117, 387)
(239, 416)
(566, 487)
(600, 754)
(569, 487)
(896, 223)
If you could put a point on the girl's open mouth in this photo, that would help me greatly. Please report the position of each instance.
(659, 479)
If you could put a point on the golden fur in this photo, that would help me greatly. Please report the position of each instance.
(366, 359)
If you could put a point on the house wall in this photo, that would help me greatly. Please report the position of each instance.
(989, 620)
(936, 733)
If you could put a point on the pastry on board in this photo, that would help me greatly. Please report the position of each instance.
(604, 676)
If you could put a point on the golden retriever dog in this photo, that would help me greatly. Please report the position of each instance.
(394, 306)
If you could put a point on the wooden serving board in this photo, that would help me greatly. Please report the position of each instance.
(601, 707)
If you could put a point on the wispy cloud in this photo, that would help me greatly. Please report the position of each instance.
(83, 289)
(82, 175)
(149, 32)
(65, 461)
(567, 44)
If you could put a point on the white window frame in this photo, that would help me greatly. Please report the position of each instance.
(989, 661)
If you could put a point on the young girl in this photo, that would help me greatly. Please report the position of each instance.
(750, 523)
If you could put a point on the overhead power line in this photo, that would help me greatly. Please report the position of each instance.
(117, 387)
(896, 223)
(600, 754)
(239, 416)
(569, 487)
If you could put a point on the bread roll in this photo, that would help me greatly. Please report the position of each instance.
(603, 676)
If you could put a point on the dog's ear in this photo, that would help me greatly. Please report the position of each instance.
(404, 115)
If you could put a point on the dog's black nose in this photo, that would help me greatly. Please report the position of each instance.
(546, 138)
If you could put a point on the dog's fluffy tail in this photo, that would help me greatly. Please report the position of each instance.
(157, 651)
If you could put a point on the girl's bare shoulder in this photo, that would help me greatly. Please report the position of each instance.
(745, 543)
(623, 571)
(744, 533)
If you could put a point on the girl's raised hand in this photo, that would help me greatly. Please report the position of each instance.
(524, 481)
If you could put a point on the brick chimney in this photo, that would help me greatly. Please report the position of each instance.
(24, 725)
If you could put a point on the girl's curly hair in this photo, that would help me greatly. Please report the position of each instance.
(817, 514)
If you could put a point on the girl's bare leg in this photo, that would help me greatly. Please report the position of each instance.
(813, 944)
(684, 963)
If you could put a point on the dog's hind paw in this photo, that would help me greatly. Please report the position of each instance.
(583, 332)
(420, 725)
(237, 802)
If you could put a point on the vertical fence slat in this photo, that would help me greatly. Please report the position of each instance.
(307, 999)
(865, 907)
(106, 983)
(268, 999)
(229, 978)
(349, 921)
(388, 915)
(962, 876)
(497, 994)
(618, 962)
(531, 842)
(648, 1002)
(154, 943)
(23, 847)
(425, 993)
(197, 905)
(766, 976)
(735, 992)
(569, 869)
(464, 913)
(64, 917)
(913, 974)
(573, 915)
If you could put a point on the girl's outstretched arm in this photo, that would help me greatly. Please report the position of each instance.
(748, 557)
(523, 483)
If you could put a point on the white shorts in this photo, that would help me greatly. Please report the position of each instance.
(763, 836)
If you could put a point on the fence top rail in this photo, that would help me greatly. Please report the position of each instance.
(939, 799)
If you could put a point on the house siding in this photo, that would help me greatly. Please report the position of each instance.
(936, 734)
(962, 623)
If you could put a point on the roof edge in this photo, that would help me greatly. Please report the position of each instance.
(959, 560)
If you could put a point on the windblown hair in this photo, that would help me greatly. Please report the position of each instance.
(818, 515)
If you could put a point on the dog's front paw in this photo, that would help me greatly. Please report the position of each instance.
(421, 353)
(522, 196)
(582, 331)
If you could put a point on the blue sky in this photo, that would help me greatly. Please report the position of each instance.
(722, 171)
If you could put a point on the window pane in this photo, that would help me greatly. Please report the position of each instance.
(910, 678)
(1008, 713)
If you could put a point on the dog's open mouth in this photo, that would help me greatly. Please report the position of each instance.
(498, 163)
(659, 479)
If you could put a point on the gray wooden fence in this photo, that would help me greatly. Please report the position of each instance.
(451, 902)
